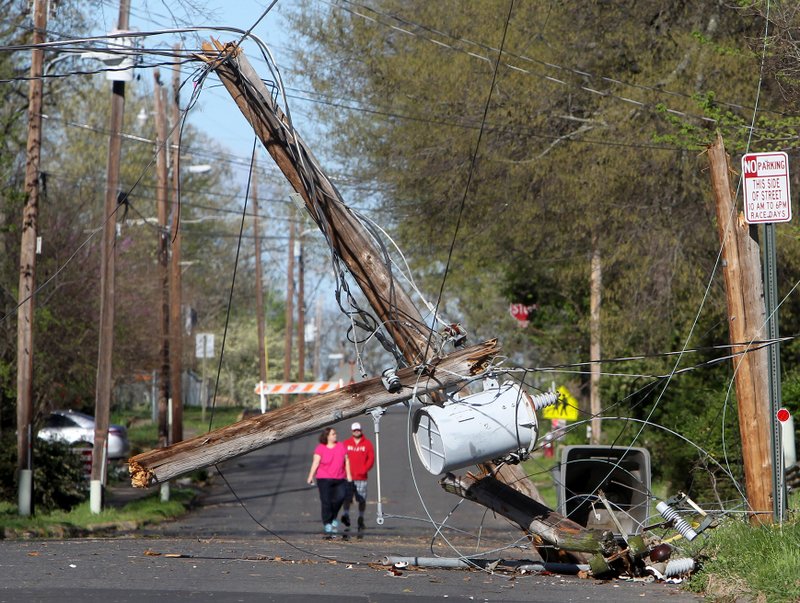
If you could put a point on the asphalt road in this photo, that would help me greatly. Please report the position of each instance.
(256, 536)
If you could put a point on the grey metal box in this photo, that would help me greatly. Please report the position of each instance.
(623, 475)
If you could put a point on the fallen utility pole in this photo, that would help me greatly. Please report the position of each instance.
(555, 529)
(345, 233)
(744, 291)
(347, 236)
(257, 432)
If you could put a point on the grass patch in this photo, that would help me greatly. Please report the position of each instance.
(762, 562)
(80, 519)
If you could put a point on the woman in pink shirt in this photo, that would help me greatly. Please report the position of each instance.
(332, 470)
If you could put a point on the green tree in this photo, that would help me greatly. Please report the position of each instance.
(594, 132)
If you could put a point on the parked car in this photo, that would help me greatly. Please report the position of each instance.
(73, 427)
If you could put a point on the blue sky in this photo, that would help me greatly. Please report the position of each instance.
(215, 113)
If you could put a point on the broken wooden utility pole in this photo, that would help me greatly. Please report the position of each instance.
(746, 319)
(27, 267)
(456, 369)
(554, 529)
(347, 236)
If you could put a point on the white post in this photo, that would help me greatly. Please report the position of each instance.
(154, 397)
(25, 485)
(203, 393)
(96, 485)
(95, 496)
(263, 396)
(25, 492)
(787, 438)
(165, 485)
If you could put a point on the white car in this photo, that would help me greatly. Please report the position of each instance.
(74, 427)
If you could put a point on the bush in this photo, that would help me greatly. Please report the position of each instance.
(58, 479)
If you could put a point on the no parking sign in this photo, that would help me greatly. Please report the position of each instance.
(766, 188)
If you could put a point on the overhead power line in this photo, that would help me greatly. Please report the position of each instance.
(486, 47)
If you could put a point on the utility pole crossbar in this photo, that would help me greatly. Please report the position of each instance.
(257, 432)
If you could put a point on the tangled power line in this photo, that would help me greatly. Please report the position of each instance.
(360, 318)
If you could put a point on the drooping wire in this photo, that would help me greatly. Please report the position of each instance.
(471, 172)
(444, 276)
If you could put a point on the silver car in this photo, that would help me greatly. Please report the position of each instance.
(73, 427)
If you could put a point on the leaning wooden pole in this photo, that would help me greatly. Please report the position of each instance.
(162, 464)
(346, 235)
(744, 291)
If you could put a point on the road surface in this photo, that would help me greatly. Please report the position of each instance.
(256, 536)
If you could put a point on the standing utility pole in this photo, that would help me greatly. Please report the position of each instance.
(746, 317)
(102, 403)
(262, 356)
(27, 266)
(317, 343)
(287, 359)
(596, 288)
(162, 173)
(301, 312)
(175, 322)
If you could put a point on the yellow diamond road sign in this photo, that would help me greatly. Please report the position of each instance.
(566, 408)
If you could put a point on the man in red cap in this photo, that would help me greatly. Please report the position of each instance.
(362, 457)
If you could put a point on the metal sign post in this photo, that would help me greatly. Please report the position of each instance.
(771, 305)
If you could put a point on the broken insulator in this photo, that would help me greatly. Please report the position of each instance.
(679, 567)
(391, 381)
(681, 525)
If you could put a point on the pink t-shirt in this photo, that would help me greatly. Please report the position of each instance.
(331, 463)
